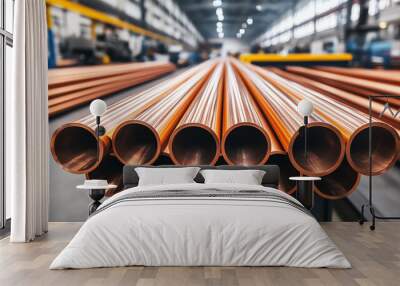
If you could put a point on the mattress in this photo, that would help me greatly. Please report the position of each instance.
(201, 225)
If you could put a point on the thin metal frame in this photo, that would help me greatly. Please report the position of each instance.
(370, 205)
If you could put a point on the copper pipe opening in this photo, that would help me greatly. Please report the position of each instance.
(246, 144)
(325, 150)
(385, 146)
(136, 142)
(110, 169)
(74, 147)
(194, 145)
(338, 184)
(286, 171)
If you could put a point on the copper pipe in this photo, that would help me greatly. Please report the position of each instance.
(339, 184)
(244, 137)
(287, 170)
(278, 156)
(387, 76)
(326, 146)
(359, 102)
(73, 88)
(140, 139)
(74, 148)
(353, 125)
(110, 169)
(61, 104)
(195, 140)
(385, 148)
(360, 86)
(66, 76)
(74, 145)
(82, 96)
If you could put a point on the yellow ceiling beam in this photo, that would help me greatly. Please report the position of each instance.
(107, 19)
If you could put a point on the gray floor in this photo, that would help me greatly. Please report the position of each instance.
(66, 202)
(386, 193)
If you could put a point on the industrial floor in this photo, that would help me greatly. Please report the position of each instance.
(375, 258)
(67, 204)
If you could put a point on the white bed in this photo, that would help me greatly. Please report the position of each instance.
(246, 225)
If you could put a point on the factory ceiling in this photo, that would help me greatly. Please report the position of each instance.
(244, 19)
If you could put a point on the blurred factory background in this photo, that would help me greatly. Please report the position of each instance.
(185, 32)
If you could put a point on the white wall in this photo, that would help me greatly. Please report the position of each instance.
(317, 45)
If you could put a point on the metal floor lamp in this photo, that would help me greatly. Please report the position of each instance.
(370, 205)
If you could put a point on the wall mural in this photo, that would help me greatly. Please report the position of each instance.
(224, 111)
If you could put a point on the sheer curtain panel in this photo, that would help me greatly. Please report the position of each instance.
(27, 157)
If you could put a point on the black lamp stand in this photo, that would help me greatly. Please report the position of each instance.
(370, 205)
(100, 131)
(305, 136)
(97, 194)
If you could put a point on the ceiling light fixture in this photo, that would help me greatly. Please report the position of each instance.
(217, 3)
(219, 29)
(244, 25)
(250, 21)
(241, 31)
(220, 35)
(238, 35)
(219, 24)
(258, 7)
(220, 17)
(219, 11)
(383, 25)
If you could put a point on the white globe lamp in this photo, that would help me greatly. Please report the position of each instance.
(98, 107)
(305, 107)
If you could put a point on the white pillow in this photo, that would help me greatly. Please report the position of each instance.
(166, 176)
(248, 177)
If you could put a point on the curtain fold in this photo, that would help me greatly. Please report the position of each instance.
(27, 134)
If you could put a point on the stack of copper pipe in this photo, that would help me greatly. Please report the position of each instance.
(71, 87)
(224, 111)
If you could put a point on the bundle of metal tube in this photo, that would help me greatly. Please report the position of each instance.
(388, 76)
(74, 145)
(358, 86)
(335, 185)
(245, 113)
(71, 87)
(353, 125)
(356, 101)
(277, 155)
(141, 138)
(196, 139)
(326, 147)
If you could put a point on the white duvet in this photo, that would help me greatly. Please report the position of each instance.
(202, 231)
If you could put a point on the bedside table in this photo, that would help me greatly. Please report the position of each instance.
(96, 193)
(305, 193)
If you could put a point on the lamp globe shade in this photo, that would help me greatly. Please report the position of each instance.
(98, 107)
(305, 107)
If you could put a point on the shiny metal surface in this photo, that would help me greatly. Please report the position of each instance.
(326, 146)
(196, 138)
(244, 137)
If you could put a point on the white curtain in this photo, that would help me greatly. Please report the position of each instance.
(27, 156)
